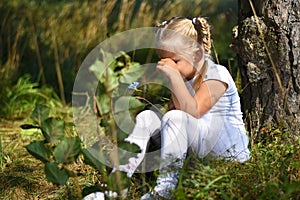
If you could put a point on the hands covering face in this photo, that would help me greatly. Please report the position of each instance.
(169, 67)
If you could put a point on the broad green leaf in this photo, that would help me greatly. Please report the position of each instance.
(110, 80)
(124, 121)
(95, 158)
(53, 129)
(67, 150)
(123, 108)
(126, 151)
(98, 68)
(129, 147)
(104, 103)
(38, 150)
(121, 135)
(56, 175)
(40, 113)
(125, 103)
(109, 59)
(121, 90)
(92, 160)
(104, 70)
(131, 73)
(30, 132)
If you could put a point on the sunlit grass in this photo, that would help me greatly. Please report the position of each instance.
(272, 172)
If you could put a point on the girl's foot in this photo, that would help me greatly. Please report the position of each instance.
(132, 165)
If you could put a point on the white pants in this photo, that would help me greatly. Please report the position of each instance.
(178, 131)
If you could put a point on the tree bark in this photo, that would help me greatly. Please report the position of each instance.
(267, 43)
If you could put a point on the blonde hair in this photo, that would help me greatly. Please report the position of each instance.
(197, 29)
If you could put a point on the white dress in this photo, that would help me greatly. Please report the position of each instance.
(222, 127)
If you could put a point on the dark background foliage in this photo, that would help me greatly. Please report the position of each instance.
(49, 39)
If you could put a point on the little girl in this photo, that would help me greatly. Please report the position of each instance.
(206, 118)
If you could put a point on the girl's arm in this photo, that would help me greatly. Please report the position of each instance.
(206, 96)
(174, 102)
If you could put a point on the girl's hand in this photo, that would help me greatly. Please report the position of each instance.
(168, 67)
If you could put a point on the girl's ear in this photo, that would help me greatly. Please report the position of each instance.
(198, 54)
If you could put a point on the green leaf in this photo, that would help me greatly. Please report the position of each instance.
(30, 132)
(131, 73)
(109, 59)
(56, 175)
(104, 70)
(98, 68)
(111, 80)
(129, 147)
(38, 150)
(105, 74)
(67, 150)
(123, 108)
(53, 129)
(96, 158)
(126, 103)
(103, 102)
(40, 113)
(124, 121)
(123, 151)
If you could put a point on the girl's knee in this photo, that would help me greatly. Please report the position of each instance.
(145, 113)
(147, 118)
(173, 115)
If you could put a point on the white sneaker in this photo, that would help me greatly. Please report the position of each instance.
(132, 165)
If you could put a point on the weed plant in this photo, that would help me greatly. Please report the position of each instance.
(19, 99)
(271, 173)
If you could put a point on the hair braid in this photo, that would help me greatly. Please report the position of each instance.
(203, 30)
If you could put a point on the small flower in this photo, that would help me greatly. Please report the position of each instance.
(133, 86)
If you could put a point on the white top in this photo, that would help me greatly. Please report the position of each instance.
(222, 126)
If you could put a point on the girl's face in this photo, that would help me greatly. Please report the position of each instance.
(186, 68)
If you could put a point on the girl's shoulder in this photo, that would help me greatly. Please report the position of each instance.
(217, 72)
(221, 73)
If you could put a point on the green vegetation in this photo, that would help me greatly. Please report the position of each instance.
(50, 39)
(42, 155)
(271, 173)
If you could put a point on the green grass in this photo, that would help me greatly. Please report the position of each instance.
(273, 172)
(19, 99)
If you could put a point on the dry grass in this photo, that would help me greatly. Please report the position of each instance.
(23, 177)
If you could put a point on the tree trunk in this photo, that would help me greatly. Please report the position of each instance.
(267, 43)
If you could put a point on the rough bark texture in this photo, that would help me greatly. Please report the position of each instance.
(264, 102)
